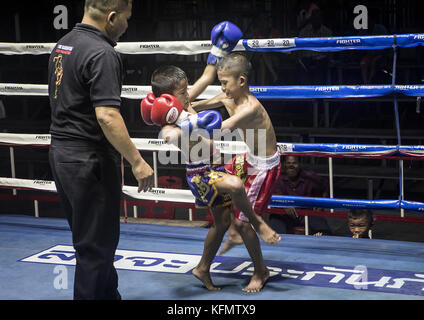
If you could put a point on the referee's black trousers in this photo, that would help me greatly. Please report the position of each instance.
(88, 181)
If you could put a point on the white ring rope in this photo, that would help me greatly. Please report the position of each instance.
(157, 47)
(238, 147)
(325, 44)
(43, 140)
(128, 92)
(156, 194)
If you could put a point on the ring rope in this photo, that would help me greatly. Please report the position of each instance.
(260, 92)
(186, 205)
(285, 45)
(185, 196)
(326, 44)
(392, 152)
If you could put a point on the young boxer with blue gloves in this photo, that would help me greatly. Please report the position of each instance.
(169, 106)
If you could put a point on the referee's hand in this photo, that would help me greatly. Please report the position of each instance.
(144, 175)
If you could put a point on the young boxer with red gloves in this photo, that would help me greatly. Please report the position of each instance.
(260, 167)
(212, 187)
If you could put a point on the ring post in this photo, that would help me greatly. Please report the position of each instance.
(155, 169)
(396, 110)
(36, 211)
(402, 188)
(330, 174)
(306, 226)
(12, 166)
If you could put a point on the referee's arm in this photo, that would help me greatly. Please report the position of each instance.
(113, 126)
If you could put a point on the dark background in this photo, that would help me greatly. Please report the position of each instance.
(333, 121)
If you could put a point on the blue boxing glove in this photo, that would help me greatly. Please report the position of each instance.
(225, 37)
(206, 120)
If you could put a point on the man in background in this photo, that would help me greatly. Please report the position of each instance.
(296, 181)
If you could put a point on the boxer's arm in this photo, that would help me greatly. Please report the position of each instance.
(245, 116)
(171, 134)
(212, 103)
(206, 79)
(224, 37)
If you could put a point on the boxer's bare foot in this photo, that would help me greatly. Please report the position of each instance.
(205, 277)
(257, 282)
(267, 234)
(230, 242)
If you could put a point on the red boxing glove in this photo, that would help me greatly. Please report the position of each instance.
(166, 110)
(146, 108)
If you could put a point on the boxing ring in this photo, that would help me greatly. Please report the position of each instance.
(301, 267)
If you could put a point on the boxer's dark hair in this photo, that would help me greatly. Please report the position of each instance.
(165, 79)
(98, 7)
(237, 63)
(359, 213)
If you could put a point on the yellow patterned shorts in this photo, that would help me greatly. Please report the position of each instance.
(201, 179)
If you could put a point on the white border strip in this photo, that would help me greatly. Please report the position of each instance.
(128, 91)
(19, 89)
(160, 194)
(9, 48)
(44, 140)
(42, 185)
(157, 47)
(156, 194)
(25, 139)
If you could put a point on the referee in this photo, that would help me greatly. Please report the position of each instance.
(88, 135)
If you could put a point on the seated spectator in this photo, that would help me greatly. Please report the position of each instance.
(295, 181)
(360, 223)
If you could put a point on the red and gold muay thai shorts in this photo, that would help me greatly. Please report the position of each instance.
(259, 175)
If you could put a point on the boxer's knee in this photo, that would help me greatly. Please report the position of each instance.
(235, 186)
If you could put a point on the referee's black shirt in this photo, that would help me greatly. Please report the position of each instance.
(84, 72)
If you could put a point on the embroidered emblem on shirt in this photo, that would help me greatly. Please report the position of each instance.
(58, 72)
